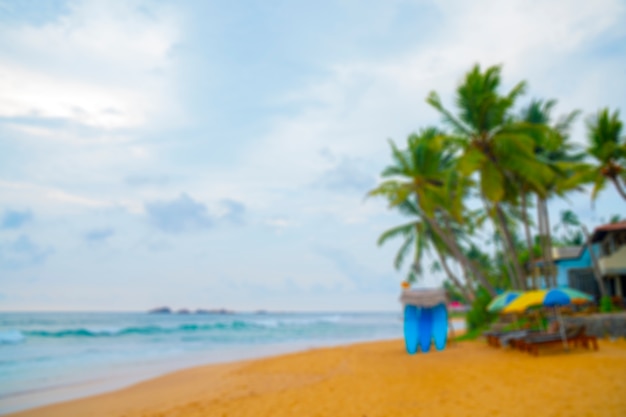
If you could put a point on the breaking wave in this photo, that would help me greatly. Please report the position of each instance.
(234, 325)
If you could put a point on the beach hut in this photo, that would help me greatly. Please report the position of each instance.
(425, 319)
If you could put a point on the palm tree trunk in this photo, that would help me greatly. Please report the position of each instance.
(467, 273)
(469, 279)
(545, 250)
(548, 259)
(455, 250)
(510, 248)
(507, 265)
(594, 263)
(619, 187)
(514, 282)
(529, 240)
(469, 297)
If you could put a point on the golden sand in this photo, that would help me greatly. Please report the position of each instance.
(380, 379)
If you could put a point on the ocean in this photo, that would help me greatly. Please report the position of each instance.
(52, 357)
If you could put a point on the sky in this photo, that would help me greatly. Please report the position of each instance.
(209, 154)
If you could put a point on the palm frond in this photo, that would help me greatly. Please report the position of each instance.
(434, 100)
(403, 251)
(402, 230)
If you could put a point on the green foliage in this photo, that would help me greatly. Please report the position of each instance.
(478, 316)
(453, 293)
(457, 315)
(604, 135)
(571, 234)
(606, 306)
(512, 162)
(608, 147)
(472, 334)
(527, 323)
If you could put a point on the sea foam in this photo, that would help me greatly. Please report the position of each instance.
(11, 337)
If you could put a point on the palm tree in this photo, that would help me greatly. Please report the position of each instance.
(421, 237)
(487, 264)
(553, 149)
(609, 149)
(442, 265)
(494, 146)
(569, 224)
(616, 218)
(424, 173)
(414, 236)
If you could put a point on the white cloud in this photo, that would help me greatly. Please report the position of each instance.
(101, 63)
(90, 93)
(38, 95)
(279, 224)
(361, 103)
(29, 194)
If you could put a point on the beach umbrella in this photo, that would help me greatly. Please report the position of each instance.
(502, 300)
(549, 298)
(553, 297)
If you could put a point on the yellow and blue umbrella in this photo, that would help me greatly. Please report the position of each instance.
(548, 298)
(553, 297)
(502, 300)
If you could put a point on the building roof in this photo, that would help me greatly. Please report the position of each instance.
(561, 253)
(601, 231)
(566, 252)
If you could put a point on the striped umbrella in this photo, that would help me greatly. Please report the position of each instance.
(548, 298)
(502, 300)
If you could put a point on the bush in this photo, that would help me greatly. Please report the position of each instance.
(606, 306)
(529, 323)
(478, 316)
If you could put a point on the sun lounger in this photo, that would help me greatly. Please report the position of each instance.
(587, 341)
(573, 336)
(503, 339)
(511, 338)
(531, 344)
(492, 338)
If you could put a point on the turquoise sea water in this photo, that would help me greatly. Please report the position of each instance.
(50, 357)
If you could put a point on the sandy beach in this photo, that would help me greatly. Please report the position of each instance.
(379, 379)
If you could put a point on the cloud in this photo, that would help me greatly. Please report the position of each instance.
(278, 223)
(35, 98)
(13, 219)
(22, 252)
(361, 275)
(113, 108)
(235, 211)
(148, 180)
(37, 194)
(185, 214)
(348, 174)
(99, 235)
(179, 215)
(101, 64)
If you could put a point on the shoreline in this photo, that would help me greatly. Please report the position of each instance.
(73, 390)
(62, 357)
(377, 378)
(120, 379)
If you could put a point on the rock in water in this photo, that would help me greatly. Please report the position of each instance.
(160, 310)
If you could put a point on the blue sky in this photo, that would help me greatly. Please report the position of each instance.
(217, 154)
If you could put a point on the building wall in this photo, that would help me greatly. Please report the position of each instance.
(614, 264)
(564, 265)
(584, 261)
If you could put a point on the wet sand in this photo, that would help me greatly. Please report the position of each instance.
(380, 379)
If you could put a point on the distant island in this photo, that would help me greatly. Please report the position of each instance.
(168, 310)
